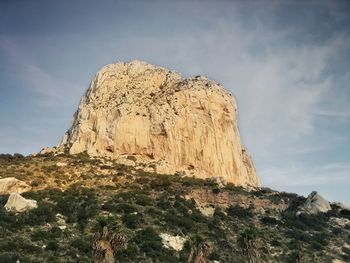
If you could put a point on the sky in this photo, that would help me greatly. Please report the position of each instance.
(286, 62)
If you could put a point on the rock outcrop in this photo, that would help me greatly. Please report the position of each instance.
(17, 203)
(314, 205)
(148, 115)
(11, 185)
(173, 242)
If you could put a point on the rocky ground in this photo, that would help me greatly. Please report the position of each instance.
(157, 218)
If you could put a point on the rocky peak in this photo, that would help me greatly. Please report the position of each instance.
(146, 115)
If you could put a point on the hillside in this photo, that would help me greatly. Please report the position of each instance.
(77, 196)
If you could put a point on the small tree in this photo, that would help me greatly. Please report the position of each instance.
(248, 244)
(200, 251)
(106, 245)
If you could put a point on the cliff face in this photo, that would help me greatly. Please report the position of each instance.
(137, 112)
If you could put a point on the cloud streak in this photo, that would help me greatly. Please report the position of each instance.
(49, 90)
(331, 173)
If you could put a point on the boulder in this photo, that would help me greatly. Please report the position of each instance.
(61, 164)
(207, 210)
(173, 242)
(342, 222)
(340, 206)
(10, 185)
(152, 114)
(17, 203)
(48, 150)
(314, 205)
(219, 180)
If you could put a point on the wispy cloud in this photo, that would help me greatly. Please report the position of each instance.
(279, 87)
(299, 175)
(50, 90)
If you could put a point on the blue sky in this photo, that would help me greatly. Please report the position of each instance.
(287, 63)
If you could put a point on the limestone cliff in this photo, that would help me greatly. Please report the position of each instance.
(148, 115)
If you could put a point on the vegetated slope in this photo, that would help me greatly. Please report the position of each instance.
(78, 195)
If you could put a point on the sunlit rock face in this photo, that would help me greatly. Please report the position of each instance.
(148, 115)
(9, 185)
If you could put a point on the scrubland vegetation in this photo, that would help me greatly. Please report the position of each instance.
(76, 200)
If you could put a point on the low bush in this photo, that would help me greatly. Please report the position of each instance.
(161, 183)
(132, 221)
(82, 244)
(149, 243)
(38, 235)
(3, 200)
(10, 257)
(144, 200)
(52, 245)
(185, 223)
(239, 212)
(269, 220)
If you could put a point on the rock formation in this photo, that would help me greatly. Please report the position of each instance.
(17, 203)
(147, 115)
(174, 242)
(314, 205)
(10, 185)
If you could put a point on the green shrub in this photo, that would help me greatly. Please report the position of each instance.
(83, 244)
(143, 200)
(11, 257)
(148, 239)
(44, 213)
(3, 199)
(185, 223)
(78, 204)
(132, 220)
(294, 256)
(300, 235)
(239, 212)
(52, 245)
(161, 183)
(126, 208)
(269, 220)
(18, 244)
(345, 213)
(275, 243)
(216, 190)
(316, 245)
(55, 232)
(315, 222)
(36, 182)
(163, 204)
(130, 253)
(149, 242)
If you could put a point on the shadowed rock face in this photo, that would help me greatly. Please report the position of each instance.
(163, 121)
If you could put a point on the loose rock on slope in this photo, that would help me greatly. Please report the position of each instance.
(17, 203)
(151, 116)
(10, 185)
(314, 204)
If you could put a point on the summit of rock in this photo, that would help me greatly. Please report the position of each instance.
(147, 115)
